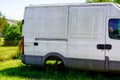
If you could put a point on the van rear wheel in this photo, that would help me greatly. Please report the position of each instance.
(56, 64)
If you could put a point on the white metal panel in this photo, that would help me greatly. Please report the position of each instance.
(47, 22)
(114, 10)
(51, 24)
(28, 45)
(46, 47)
(87, 29)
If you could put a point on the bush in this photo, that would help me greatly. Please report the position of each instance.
(12, 34)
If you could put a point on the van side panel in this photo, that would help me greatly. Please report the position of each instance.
(45, 31)
(87, 30)
(51, 30)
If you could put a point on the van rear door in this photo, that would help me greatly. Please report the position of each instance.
(27, 31)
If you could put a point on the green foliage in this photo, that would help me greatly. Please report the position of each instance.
(10, 32)
(13, 32)
(3, 22)
(98, 0)
(20, 26)
(0, 14)
(15, 70)
(117, 1)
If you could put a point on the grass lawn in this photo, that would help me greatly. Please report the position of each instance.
(15, 70)
(8, 52)
(8, 70)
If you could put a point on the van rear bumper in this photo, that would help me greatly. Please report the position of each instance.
(32, 60)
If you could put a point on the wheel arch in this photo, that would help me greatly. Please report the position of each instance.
(56, 54)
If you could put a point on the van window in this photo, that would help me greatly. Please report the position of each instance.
(114, 28)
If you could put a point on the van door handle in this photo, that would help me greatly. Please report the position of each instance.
(104, 46)
(35, 43)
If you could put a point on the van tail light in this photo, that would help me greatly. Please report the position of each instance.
(22, 45)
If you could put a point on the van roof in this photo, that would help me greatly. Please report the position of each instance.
(73, 4)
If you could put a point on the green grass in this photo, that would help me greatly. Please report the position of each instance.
(15, 70)
(1, 41)
(7, 68)
(8, 52)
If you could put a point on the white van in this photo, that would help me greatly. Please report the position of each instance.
(84, 36)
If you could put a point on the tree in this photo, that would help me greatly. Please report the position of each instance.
(0, 14)
(12, 33)
(99, 0)
(19, 24)
(117, 1)
(3, 22)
